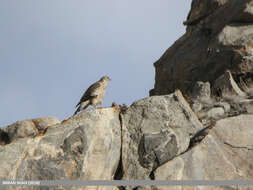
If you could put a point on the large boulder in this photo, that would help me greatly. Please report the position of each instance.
(218, 38)
(155, 130)
(85, 147)
(28, 128)
(226, 153)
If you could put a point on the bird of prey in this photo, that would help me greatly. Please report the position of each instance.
(93, 95)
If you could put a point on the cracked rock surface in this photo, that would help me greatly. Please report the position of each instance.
(155, 130)
(158, 138)
(225, 153)
(28, 128)
(87, 146)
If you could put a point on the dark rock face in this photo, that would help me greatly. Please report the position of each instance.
(4, 138)
(218, 38)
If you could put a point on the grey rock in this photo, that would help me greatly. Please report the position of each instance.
(29, 128)
(196, 106)
(249, 107)
(201, 91)
(155, 130)
(84, 147)
(226, 86)
(200, 96)
(225, 105)
(226, 153)
(215, 112)
(235, 34)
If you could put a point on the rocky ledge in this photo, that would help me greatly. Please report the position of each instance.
(157, 138)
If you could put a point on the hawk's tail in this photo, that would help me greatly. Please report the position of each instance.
(82, 106)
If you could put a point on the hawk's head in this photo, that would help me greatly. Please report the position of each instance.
(105, 78)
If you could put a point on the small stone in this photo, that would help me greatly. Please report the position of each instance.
(215, 112)
(29, 128)
(224, 105)
(196, 106)
(201, 90)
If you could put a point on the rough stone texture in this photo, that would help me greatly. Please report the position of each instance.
(226, 106)
(200, 95)
(215, 112)
(226, 153)
(218, 38)
(29, 128)
(225, 86)
(232, 100)
(249, 107)
(201, 91)
(247, 15)
(196, 106)
(155, 130)
(87, 146)
(202, 9)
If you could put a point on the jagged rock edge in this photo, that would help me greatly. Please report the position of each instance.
(194, 141)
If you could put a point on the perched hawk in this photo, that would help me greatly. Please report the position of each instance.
(94, 94)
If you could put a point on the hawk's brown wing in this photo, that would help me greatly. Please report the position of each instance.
(89, 93)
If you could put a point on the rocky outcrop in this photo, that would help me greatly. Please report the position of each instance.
(27, 128)
(225, 153)
(204, 135)
(155, 130)
(225, 86)
(231, 103)
(87, 146)
(157, 138)
(218, 38)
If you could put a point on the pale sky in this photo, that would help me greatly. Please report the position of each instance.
(52, 50)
